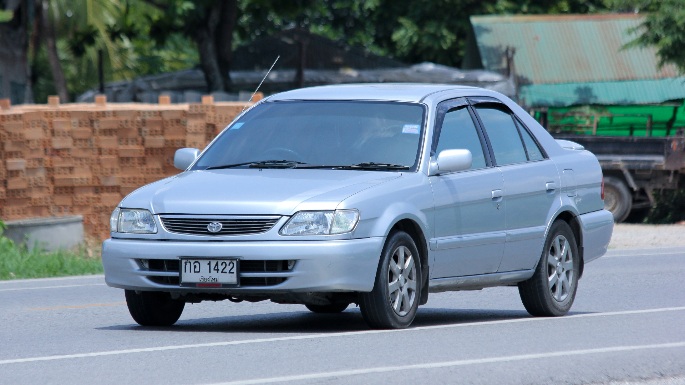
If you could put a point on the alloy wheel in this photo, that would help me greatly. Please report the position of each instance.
(560, 269)
(402, 281)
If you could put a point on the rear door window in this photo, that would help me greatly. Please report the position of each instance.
(503, 134)
(532, 148)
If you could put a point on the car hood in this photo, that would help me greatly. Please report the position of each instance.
(253, 191)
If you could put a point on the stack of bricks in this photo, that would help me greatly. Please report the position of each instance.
(82, 159)
(24, 142)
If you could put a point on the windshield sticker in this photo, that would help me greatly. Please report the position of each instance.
(410, 129)
(237, 126)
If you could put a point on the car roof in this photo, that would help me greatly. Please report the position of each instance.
(401, 92)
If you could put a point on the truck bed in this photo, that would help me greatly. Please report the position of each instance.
(634, 152)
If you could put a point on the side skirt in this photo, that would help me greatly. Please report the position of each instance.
(477, 282)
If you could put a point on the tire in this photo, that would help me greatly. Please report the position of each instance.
(328, 309)
(153, 308)
(396, 293)
(552, 288)
(617, 198)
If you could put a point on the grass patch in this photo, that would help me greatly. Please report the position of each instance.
(16, 261)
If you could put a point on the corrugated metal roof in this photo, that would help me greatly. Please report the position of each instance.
(567, 49)
(651, 91)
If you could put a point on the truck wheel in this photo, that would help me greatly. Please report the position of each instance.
(617, 198)
(153, 308)
(328, 309)
(552, 288)
(396, 293)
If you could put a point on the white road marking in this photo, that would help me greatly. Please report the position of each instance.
(86, 306)
(326, 336)
(448, 364)
(644, 255)
(51, 287)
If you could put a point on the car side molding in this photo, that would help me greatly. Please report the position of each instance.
(478, 282)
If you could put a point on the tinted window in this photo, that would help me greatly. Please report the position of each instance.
(503, 135)
(532, 148)
(459, 132)
(321, 133)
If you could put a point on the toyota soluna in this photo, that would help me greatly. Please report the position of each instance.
(375, 195)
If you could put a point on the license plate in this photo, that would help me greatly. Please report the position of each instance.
(209, 272)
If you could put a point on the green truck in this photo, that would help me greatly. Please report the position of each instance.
(641, 149)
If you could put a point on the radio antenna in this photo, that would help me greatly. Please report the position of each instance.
(260, 83)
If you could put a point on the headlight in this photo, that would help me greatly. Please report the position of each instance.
(132, 221)
(114, 220)
(321, 222)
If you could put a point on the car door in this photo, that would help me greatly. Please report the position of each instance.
(469, 213)
(531, 184)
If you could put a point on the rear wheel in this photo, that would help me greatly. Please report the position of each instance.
(552, 288)
(153, 308)
(617, 198)
(328, 309)
(393, 302)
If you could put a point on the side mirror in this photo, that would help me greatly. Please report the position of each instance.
(184, 157)
(451, 161)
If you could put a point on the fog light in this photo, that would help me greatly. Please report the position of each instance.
(291, 264)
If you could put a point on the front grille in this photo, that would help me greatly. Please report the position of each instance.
(229, 226)
(263, 266)
(262, 281)
(175, 281)
(163, 265)
(158, 271)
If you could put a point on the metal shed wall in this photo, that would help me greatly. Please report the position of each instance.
(650, 91)
(568, 48)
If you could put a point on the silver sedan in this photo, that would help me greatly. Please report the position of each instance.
(371, 194)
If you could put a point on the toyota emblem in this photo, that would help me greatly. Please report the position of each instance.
(214, 227)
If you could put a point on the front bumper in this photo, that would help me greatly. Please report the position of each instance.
(320, 266)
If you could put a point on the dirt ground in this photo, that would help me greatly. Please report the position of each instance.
(635, 236)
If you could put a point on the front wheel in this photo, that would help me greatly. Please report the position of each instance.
(552, 288)
(153, 308)
(393, 302)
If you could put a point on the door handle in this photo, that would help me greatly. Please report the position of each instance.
(550, 186)
(497, 195)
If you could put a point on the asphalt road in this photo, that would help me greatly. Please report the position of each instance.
(627, 325)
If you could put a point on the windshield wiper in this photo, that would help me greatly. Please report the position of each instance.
(298, 164)
(379, 166)
(275, 164)
(361, 166)
(228, 166)
(260, 164)
(314, 166)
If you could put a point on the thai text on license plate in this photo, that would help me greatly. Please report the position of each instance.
(209, 272)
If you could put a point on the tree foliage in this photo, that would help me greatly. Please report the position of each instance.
(210, 24)
(669, 208)
(140, 37)
(14, 27)
(425, 30)
(119, 29)
(663, 29)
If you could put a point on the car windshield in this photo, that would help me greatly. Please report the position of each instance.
(321, 134)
